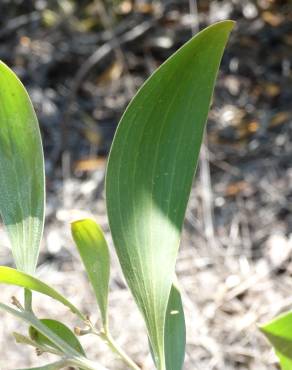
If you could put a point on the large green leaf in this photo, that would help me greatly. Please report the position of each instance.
(94, 253)
(279, 333)
(13, 277)
(59, 329)
(151, 167)
(175, 331)
(22, 193)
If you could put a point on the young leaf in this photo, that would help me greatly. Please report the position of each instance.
(13, 277)
(22, 193)
(150, 170)
(59, 329)
(94, 253)
(279, 333)
(175, 331)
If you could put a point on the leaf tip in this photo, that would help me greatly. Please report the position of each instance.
(226, 25)
(81, 221)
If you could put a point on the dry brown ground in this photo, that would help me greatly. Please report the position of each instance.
(225, 292)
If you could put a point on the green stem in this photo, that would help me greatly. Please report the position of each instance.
(27, 300)
(85, 364)
(106, 337)
(119, 351)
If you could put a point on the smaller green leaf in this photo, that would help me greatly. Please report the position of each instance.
(13, 277)
(94, 253)
(59, 329)
(175, 331)
(279, 333)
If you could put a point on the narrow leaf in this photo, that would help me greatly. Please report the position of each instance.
(94, 253)
(279, 333)
(22, 193)
(13, 277)
(59, 329)
(150, 170)
(175, 331)
(53, 366)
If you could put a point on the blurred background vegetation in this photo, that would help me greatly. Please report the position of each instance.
(81, 62)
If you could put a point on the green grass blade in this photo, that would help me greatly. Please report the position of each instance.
(94, 253)
(279, 333)
(22, 194)
(175, 331)
(150, 170)
(14, 277)
(59, 329)
(53, 366)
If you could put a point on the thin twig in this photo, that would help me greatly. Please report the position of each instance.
(13, 24)
(205, 176)
(107, 20)
(206, 193)
(194, 13)
(100, 54)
